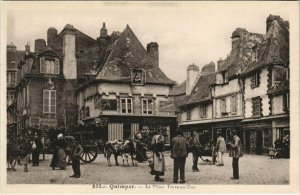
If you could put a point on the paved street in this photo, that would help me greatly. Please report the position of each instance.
(253, 170)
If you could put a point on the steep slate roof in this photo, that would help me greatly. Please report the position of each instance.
(201, 91)
(275, 47)
(128, 53)
(179, 89)
(240, 56)
(14, 56)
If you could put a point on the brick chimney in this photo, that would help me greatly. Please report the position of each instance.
(51, 35)
(152, 50)
(192, 75)
(39, 45)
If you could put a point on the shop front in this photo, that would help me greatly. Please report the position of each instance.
(226, 127)
(187, 129)
(113, 127)
(281, 127)
(257, 136)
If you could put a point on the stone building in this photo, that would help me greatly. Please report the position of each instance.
(128, 91)
(197, 110)
(13, 56)
(49, 77)
(266, 88)
(249, 93)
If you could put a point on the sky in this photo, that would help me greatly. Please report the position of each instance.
(192, 32)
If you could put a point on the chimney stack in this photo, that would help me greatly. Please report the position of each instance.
(69, 61)
(192, 75)
(11, 47)
(51, 35)
(39, 45)
(27, 48)
(103, 31)
(152, 50)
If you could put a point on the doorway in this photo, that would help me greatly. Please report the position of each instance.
(259, 142)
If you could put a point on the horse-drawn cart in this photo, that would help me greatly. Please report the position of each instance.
(14, 154)
(89, 145)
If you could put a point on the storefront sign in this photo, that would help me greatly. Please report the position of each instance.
(166, 106)
(281, 122)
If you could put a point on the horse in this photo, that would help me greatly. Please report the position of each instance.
(120, 148)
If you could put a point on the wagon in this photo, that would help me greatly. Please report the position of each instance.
(89, 145)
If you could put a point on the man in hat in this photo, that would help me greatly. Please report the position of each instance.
(76, 152)
(235, 153)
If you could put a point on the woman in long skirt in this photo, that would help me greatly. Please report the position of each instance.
(59, 155)
(158, 166)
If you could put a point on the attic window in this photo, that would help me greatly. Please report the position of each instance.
(138, 76)
(81, 50)
(225, 76)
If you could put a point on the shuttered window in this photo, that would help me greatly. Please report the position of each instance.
(56, 66)
(49, 66)
(49, 101)
(42, 65)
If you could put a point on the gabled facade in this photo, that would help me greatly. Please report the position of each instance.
(266, 88)
(128, 91)
(250, 92)
(228, 88)
(197, 108)
(49, 79)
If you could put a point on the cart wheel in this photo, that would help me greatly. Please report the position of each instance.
(89, 154)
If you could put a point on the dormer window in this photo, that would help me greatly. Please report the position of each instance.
(225, 76)
(138, 76)
(255, 80)
(49, 65)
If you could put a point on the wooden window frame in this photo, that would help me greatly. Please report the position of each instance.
(48, 103)
(127, 108)
(233, 100)
(256, 104)
(147, 109)
(203, 110)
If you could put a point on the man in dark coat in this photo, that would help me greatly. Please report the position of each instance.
(36, 147)
(235, 152)
(76, 152)
(195, 148)
(179, 152)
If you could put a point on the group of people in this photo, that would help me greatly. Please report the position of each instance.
(28, 144)
(181, 146)
(60, 154)
(281, 149)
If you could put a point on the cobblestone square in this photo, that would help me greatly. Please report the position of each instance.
(254, 170)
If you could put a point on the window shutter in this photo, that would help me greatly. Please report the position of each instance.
(53, 102)
(42, 65)
(144, 75)
(252, 81)
(258, 78)
(56, 66)
(46, 101)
